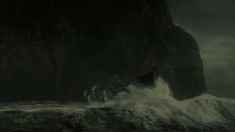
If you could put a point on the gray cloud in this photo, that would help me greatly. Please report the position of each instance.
(212, 23)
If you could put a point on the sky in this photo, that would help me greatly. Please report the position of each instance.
(212, 23)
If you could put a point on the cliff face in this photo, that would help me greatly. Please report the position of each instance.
(58, 49)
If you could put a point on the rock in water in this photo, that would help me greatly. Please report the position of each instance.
(58, 49)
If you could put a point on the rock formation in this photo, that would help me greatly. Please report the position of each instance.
(57, 49)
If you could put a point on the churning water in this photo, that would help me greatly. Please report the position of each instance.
(150, 109)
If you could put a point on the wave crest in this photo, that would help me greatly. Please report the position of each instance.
(148, 109)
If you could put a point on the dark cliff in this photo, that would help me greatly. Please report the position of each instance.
(57, 49)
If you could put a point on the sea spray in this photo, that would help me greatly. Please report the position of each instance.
(137, 109)
(156, 104)
(132, 92)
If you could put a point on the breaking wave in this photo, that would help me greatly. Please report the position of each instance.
(156, 103)
(149, 109)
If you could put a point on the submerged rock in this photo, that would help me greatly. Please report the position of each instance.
(57, 49)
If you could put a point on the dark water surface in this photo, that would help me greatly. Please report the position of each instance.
(138, 110)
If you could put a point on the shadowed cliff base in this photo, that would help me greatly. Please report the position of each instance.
(57, 49)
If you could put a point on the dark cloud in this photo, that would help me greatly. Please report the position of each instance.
(212, 23)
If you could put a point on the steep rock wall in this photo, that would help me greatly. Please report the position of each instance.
(58, 49)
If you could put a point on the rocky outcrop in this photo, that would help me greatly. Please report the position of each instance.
(58, 49)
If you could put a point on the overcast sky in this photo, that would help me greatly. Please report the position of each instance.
(212, 23)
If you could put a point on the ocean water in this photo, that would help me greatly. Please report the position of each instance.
(149, 109)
